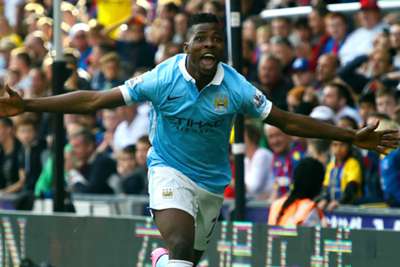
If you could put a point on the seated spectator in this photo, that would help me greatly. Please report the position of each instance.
(21, 62)
(110, 68)
(298, 208)
(134, 124)
(10, 148)
(336, 27)
(78, 35)
(272, 82)
(79, 79)
(282, 48)
(319, 149)
(390, 169)
(302, 75)
(31, 151)
(343, 177)
(338, 97)
(87, 171)
(285, 158)
(128, 181)
(395, 43)
(110, 121)
(367, 68)
(366, 107)
(360, 41)
(386, 102)
(257, 165)
(326, 70)
(301, 100)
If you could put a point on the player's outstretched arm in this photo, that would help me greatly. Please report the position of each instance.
(304, 126)
(75, 102)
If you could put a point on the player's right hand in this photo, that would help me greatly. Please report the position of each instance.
(11, 105)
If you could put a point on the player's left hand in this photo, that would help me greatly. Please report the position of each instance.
(380, 141)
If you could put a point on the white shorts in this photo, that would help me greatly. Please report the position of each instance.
(169, 188)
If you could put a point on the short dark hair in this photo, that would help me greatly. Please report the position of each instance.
(7, 122)
(200, 18)
(129, 149)
(87, 136)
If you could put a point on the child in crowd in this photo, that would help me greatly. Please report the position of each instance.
(343, 177)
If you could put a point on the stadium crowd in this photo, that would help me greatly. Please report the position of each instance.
(342, 69)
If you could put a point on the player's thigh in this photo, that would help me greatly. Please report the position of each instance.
(173, 203)
(175, 226)
(209, 208)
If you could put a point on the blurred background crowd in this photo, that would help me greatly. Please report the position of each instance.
(343, 69)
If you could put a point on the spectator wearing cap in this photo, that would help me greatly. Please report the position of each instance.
(338, 97)
(336, 28)
(360, 41)
(272, 82)
(78, 35)
(301, 72)
(283, 50)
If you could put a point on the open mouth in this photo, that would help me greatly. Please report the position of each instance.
(208, 60)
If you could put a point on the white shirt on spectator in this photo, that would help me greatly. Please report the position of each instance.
(128, 133)
(359, 42)
(10, 10)
(258, 173)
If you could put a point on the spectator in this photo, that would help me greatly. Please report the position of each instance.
(272, 81)
(30, 157)
(366, 107)
(390, 170)
(283, 50)
(395, 43)
(338, 98)
(257, 165)
(375, 67)
(21, 61)
(360, 41)
(319, 149)
(39, 86)
(110, 120)
(128, 181)
(78, 80)
(336, 28)
(299, 208)
(35, 45)
(10, 179)
(301, 73)
(6, 46)
(281, 27)
(285, 159)
(181, 28)
(386, 102)
(134, 124)
(87, 171)
(78, 35)
(326, 70)
(343, 177)
(110, 68)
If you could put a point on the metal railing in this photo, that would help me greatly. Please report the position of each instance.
(304, 10)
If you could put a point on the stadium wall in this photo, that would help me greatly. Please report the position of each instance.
(70, 240)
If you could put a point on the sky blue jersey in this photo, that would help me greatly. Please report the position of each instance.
(190, 129)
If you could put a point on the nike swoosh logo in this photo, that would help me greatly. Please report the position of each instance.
(173, 97)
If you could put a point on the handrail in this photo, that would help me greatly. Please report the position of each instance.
(304, 10)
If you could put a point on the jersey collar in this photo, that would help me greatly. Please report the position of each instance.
(218, 77)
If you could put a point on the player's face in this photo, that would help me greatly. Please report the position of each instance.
(205, 47)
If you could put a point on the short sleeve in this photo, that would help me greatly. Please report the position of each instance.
(255, 103)
(141, 88)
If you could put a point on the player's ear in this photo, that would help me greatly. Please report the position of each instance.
(185, 47)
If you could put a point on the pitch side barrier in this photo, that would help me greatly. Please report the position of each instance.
(70, 240)
(354, 217)
(388, 5)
